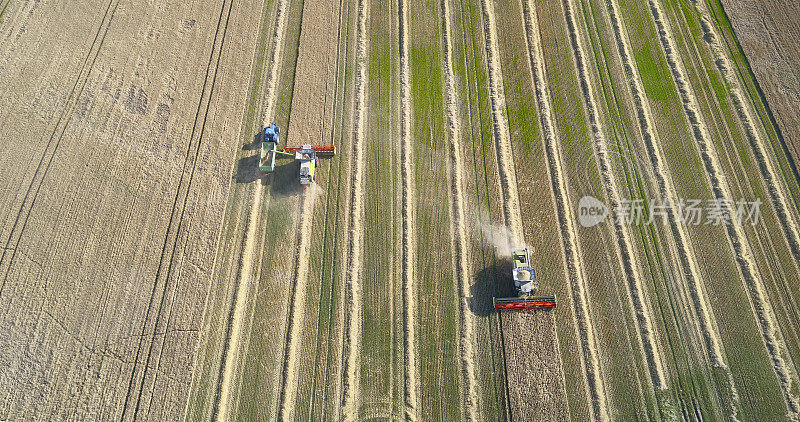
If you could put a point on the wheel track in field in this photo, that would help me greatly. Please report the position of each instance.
(46, 160)
(331, 197)
(235, 327)
(626, 255)
(411, 366)
(356, 230)
(224, 30)
(459, 235)
(753, 283)
(666, 186)
(756, 137)
(179, 221)
(289, 385)
(569, 238)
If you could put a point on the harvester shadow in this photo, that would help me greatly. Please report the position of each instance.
(284, 179)
(256, 144)
(247, 169)
(492, 281)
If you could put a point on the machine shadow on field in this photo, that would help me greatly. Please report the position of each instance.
(256, 144)
(247, 170)
(247, 167)
(284, 179)
(491, 281)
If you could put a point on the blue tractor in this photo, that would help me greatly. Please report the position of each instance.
(269, 148)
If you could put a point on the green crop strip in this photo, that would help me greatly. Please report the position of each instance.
(655, 264)
(437, 319)
(3, 11)
(476, 81)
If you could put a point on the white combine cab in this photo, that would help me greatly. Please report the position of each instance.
(308, 160)
(524, 275)
(525, 285)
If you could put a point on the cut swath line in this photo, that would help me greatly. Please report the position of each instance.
(356, 231)
(755, 133)
(626, 257)
(297, 305)
(666, 187)
(569, 238)
(231, 352)
(407, 211)
(501, 133)
(751, 277)
(463, 270)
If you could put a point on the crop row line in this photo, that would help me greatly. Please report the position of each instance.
(235, 327)
(505, 159)
(666, 187)
(341, 52)
(569, 239)
(458, 230)
(411, 367)
(223, 28)
(356, 230)
(297, 305)
(643, 320)
(756, 137)
(754, 285)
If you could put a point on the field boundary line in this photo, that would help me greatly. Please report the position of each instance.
(356, 231)
(595, 389)
(411, 368)
(463, 273)
(234, 326)
(754, 286)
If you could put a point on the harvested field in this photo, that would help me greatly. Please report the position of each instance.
(767, 34)
(151, 271)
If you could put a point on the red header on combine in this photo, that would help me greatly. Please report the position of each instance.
(525, 284)
(330, 149)
(517, 303)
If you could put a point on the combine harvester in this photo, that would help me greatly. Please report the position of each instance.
(524, 284)
(306, 155)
